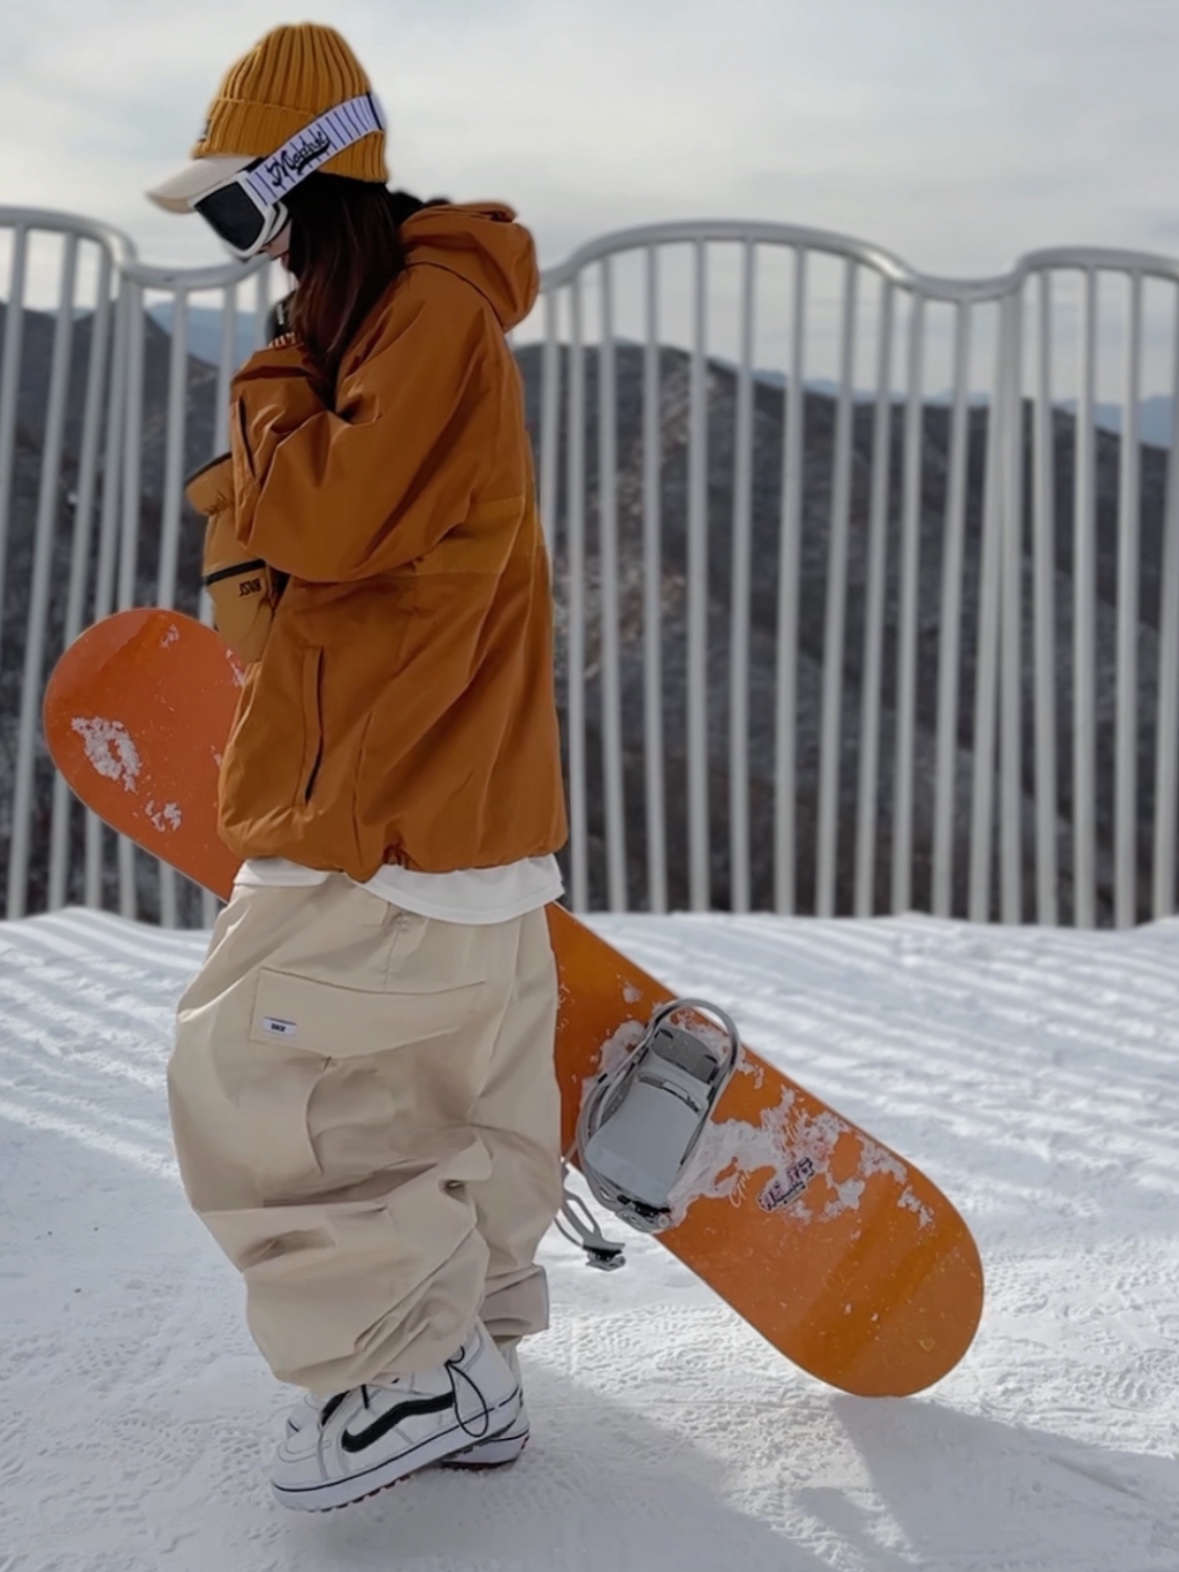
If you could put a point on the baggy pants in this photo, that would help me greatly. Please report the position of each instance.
(367, 1119)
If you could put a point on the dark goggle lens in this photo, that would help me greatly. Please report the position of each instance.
(231, 215)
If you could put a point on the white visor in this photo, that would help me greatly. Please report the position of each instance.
(190, 184)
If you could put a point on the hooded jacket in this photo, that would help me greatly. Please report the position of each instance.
(401, 708)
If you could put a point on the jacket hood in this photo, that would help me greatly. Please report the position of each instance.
(482, 243)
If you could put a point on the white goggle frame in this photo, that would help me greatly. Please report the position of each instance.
(265, 182)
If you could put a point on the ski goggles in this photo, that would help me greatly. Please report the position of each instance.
(247, 212)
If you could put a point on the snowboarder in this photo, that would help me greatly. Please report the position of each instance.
(362, 1090)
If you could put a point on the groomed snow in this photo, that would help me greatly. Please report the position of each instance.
(1034, 1074)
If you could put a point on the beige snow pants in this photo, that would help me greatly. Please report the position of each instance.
(367, 1119)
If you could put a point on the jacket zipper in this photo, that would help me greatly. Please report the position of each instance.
(314, 773)
(313, 715)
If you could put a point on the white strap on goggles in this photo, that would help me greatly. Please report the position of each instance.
(272, 177)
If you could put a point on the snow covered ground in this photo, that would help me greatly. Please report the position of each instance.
(1034, 1074)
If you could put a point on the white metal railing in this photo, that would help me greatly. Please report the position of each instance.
(831, 637)
(108, 496)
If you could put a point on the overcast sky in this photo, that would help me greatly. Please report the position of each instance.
(954, 133)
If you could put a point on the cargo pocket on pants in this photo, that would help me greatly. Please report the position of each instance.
(357, 1041)
(273, 1087)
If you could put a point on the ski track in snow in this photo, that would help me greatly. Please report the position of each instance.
(1034, 1074)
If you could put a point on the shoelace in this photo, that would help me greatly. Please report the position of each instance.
(453, 1369)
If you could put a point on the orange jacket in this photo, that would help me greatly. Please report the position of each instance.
(402, 707)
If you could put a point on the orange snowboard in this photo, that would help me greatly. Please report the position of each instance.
(839, 1252)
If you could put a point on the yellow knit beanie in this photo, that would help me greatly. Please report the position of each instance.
(289, 77)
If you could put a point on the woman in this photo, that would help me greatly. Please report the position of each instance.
(363, 1092)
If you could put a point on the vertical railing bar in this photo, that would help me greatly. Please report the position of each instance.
(261, 305)
(104, 584)
(132, 453)
(575, 642)
(741, 604)
(176, 417)
(1011, 618)
(986, 677)
(112, 458)
(10, 390)
(1129, 567)
(835, 618)
(550, 406)
(96, 376)
(950, 638)
(226, 365)
(83, 534)
(609, 607)
(789, 561)
(653, 596)
(1084, 625)
(907, 613)
(871, 694)
(1166, 759)
(48, 500)
(1044, 558)
(129, 541)
(698, 706)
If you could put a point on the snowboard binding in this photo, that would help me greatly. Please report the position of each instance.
(640, 1122)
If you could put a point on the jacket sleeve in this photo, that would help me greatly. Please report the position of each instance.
(334, 495)
(241, 588)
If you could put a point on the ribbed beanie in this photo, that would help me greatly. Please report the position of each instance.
(289, 77)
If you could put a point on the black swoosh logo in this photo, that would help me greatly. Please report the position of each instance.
(358, 1441)
(330, 1407)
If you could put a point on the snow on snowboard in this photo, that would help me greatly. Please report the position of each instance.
(844, 1256)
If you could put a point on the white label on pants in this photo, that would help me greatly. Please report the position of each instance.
(276, 1028)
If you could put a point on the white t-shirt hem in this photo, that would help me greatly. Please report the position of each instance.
(472, 895)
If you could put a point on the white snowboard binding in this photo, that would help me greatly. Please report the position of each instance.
(641, 1121)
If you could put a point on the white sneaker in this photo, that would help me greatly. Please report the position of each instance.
(496, 1452)
(369, 1438)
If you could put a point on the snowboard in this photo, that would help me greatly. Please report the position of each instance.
(839, 1252)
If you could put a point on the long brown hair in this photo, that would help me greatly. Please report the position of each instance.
(345, 252)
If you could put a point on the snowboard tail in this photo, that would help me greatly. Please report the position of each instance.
(839, 1252)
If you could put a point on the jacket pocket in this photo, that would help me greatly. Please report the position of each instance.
(312, 723)
(244, 439)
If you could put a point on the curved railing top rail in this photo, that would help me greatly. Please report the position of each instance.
(186, 281)
(1096, 259)
(933, 286)
(125, 253)
(892, 267)
(121, 246)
